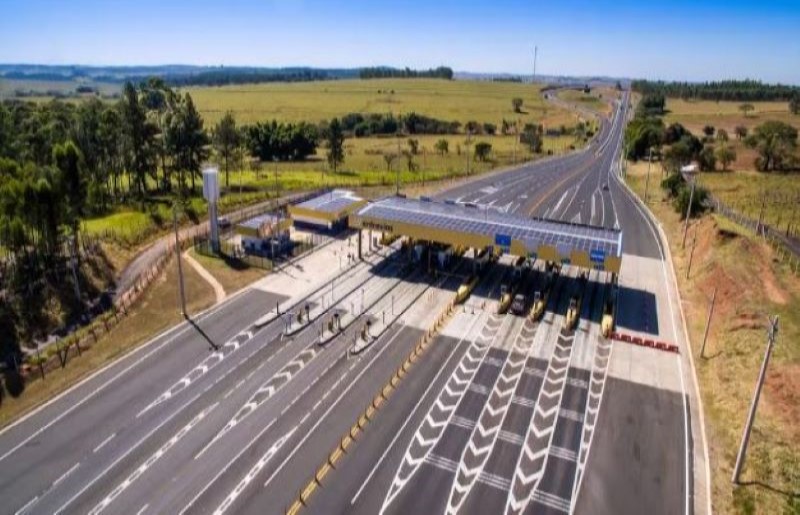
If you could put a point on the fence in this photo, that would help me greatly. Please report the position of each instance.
(62, 350)
(785, 244)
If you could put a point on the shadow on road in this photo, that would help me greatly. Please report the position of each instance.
(213, 346)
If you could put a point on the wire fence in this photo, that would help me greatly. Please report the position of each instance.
(785, 243)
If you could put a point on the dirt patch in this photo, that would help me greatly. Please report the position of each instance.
(783, 391)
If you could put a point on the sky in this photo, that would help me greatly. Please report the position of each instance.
(674, 40)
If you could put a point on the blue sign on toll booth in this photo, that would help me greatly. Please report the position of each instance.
(502, 240)
(598, 256)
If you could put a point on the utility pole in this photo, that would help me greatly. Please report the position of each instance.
(691, 254)
(647, 182)
(277, 203)
(469, 144)
(708, 323)
(178, 259)
(688, 213)
(396, 176)
(773, 331)
(535, 55)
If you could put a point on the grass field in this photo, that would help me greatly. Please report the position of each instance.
(747, 191)
(596, 100)
(462, 101)
(696, 114)
(42, 87)
(364, 166)
(752, 282)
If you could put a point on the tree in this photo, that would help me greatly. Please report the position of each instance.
(516, 104)
(410, 164)
(682, 152)
(111, 137)
(794, 103)
(725, 155)
(68, 161)
(489, 128)
(775, 142)
(699, 198)
(413, 146)
(722, 135)
(709, 130)
(482, 150)
(187, 140)
(643, 133)
(533, 136)
(741, 132)
(746, 109)
(87, 137)
(140, 139)
(707, 159)
(389, 158)
(335, 144)
(442, 147)
(227, 139)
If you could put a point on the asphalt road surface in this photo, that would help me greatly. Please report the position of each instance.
(498, 416)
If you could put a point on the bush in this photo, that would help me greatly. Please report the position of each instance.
(681, 202)
(673, 184)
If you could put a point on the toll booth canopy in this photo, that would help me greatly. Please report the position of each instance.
(454, 224)
(329, 210)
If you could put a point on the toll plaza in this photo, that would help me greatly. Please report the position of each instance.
(327, 211)
(457, 225)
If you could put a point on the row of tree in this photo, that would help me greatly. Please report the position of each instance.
(731, 90)
(646, 136)
(385, 72)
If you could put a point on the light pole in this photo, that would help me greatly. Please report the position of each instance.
(773, 331)
(178, 259)
(647, 182)
(688, 213)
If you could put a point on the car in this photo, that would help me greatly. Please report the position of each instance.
(223, 222)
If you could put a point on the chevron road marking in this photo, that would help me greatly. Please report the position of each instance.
(602, 358)
(490, 420)
(530, 464)
(420, 447)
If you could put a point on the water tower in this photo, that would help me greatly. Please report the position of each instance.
(211, 194)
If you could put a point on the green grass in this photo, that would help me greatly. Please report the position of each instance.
(589, 100)
(364, 166)
(42, 87)
(746, 191)
(156, 311)
(483, 101)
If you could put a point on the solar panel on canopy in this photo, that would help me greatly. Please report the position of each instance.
(486, 222)
(331, 202)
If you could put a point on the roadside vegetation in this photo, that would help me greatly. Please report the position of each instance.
(85, 184)
(753, 280)
(156, 311)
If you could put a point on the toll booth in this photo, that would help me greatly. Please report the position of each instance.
(265, 235)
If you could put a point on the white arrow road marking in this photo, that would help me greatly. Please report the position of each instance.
(151, 460)
(200, 370)
(265, 392)
(248, 478)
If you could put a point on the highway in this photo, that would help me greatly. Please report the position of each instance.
(511, 416)
(499, 415)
